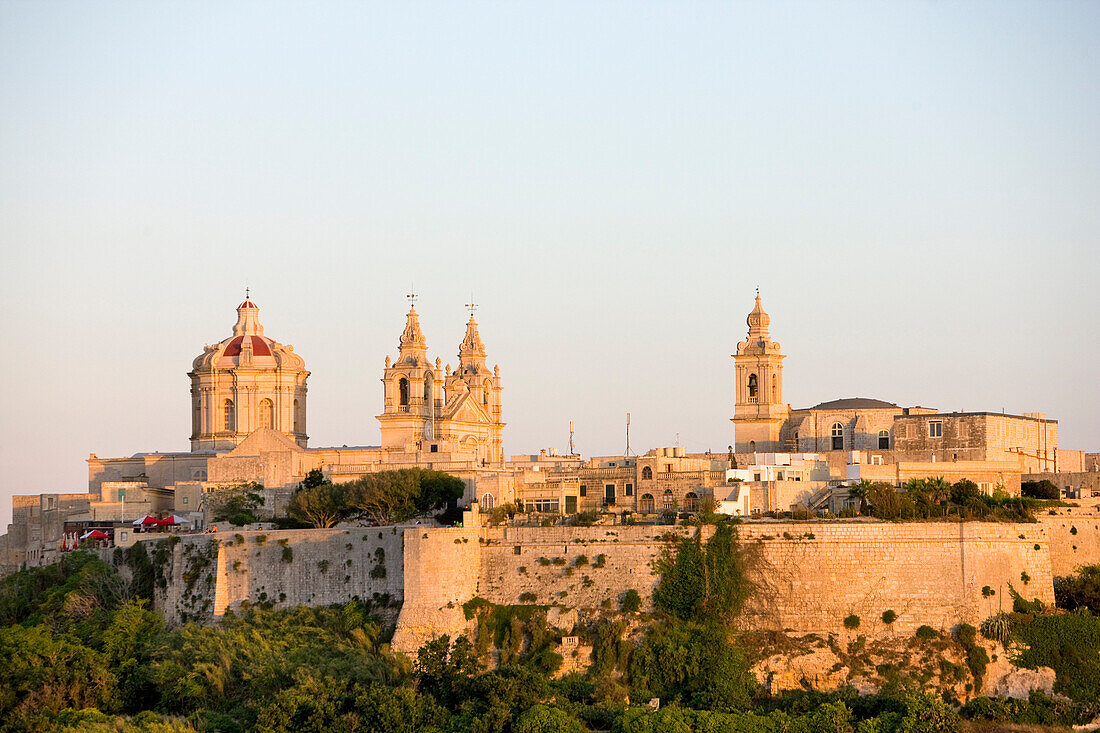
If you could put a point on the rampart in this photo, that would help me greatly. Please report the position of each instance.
(809, 576)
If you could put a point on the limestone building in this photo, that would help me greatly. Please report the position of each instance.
(247, 382)
(436, 410)
(874, 432)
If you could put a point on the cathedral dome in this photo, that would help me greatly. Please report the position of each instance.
(248, 346)
(247, 382)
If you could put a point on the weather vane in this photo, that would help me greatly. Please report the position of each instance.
(472, 306)
(412, 299)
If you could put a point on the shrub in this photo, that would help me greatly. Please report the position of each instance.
(1079, 591)
(976, 657)
(1068, 643)
(288, 554)
(581, 560)
(926, 633)
(1040, 490)
(527, 597)
(851, 622)
(601, 560)
(631, 601)
(889, 616)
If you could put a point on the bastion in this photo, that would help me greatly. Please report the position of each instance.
(808, 576)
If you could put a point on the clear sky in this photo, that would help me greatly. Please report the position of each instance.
(915, 188)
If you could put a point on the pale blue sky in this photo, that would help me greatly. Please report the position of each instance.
(914, 187)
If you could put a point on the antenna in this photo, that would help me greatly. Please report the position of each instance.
(627, 434)
(571, 451)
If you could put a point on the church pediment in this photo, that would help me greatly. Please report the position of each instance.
(465, 409)
(265, 440)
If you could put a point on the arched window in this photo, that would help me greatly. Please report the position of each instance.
(265, 416)
(229, 416)
(838, 436)
(775, 389)
(403, 392)
(884, 439)
(647, 473)
(485, 393)
(752, 386)
(692, 501)
(669, 501)
(488, 501)
(645, 504)
(428, 387)
(297, 418)
(752, 446)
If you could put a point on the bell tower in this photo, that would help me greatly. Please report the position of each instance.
(759, 412)
(413, 391)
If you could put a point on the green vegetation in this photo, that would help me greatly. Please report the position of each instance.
(1079, 591)
(236, 504)
(889, 616)
(82, 652)
(385, 497)
(1044, 489)
(935, 498)
(851, 622)
(703, 583)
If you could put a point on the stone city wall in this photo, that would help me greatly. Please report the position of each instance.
(213, 573)
(1073, 536)
(809, 575)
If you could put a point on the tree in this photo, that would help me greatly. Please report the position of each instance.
(322, 506)
(887, 503)
(860, 492)
(965, 492)
(236, 504)
(1044, 489)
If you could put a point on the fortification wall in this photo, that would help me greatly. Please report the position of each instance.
(812, 575)
(578, 567)
(441, 571)
(1073, 535)
(213, 573)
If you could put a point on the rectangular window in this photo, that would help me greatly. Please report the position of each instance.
(570, 505)
(756, 477)
(543, 505)
(124, 536)
(584, 490)
(609, 494)
(435, 448)
(935, 429)
(876, 460)
(629, 490)
(185, 499)
(517, 550)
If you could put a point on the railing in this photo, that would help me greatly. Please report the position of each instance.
(754, 400)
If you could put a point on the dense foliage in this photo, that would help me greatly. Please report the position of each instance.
(237, 504)
(385, 497)
(703, 583)
(82, 652)
(935, 498)
(1079, 591)
(1044, 489)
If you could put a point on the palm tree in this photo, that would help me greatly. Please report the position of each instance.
(861, 491)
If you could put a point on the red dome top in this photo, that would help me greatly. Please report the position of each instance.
(259, 346)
